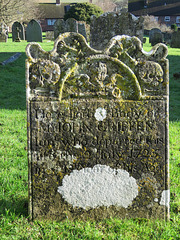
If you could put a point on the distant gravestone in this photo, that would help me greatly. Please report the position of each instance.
(18, 33)
(175, 40)
(167, 37)
(70, 25)
(34, 32)
(97, 130)
(108, 25)
(61, 26)
(155, 36)
(4, 30)
(3, 37)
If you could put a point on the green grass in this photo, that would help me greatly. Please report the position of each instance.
(14, 170)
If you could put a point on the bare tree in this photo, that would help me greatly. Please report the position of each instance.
(106, 5)
(121, 4)
(111, 5)
(18, 10)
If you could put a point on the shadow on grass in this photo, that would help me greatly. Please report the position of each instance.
(17, 208)
(12, 85)
(174, 89)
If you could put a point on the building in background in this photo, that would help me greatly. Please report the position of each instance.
(165, 11)
(53, 10)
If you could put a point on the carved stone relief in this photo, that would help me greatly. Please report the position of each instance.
(122, 70)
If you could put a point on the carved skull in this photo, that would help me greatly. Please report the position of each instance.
(150, 76)
(44, 73)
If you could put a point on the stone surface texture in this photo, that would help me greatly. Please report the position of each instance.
(110, 24)
(97, 129)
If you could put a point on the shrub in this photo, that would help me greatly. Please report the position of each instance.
(174, 27)
(83, 12)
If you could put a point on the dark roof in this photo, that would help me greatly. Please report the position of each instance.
(154, 7)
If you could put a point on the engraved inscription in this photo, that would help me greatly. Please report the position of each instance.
(129, 137)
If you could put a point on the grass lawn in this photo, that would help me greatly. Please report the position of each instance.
(14, 168)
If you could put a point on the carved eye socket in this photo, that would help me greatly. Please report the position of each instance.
(61, 44)
(151, 75)
(46, 76)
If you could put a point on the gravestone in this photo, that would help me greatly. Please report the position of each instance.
(4, 28)
(97, 130)
(18, 33)
(175, 40)
(155, 36)
(61, 26)
(33, 31)
(70, 25)
(3, 37)
(108, 25)
(167, 37)
(3, 32)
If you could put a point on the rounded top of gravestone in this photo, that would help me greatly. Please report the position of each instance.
(33, 21)
(155, 30)
(15, 24)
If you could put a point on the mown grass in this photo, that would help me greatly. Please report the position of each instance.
(14, 170)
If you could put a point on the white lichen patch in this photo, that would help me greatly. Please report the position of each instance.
(165, 198)
(100, 114)
(99, 186)
(78, 146)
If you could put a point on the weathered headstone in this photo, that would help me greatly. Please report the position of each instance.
(175, 40)
(3, 32)
(155, 36)
(18, 33)
(108, 25)
(167, 37)
(61, 26)
(4, 28)
(97, 130)
(70, 25)
(34, 32)
(3, 37)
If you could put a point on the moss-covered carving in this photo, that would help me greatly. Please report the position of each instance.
(73, 69)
